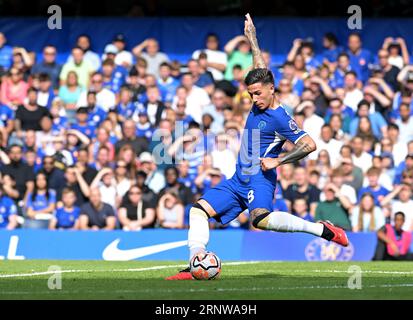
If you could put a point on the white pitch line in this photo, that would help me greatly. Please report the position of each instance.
(34, 274)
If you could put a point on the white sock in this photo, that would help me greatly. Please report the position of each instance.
(198, 234)
(286, 222)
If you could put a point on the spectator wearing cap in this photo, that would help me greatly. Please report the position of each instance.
(105, 98)
(82, 67)
(153, 56)
(216, 60)
(238, 50)
(155, 180)
(48, 65)
(400, 199)
(95, 214)
(123, 58)
(6, 52)
(139, 144)
(83, 42)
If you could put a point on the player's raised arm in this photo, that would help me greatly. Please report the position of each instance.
(250, 33)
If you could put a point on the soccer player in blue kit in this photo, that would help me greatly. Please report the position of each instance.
(252, 186)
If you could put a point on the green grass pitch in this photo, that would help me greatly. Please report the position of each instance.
(248, 280)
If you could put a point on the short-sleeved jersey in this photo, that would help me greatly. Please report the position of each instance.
(264, 136)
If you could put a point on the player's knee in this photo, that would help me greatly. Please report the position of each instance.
(199, 211)
(257, 215)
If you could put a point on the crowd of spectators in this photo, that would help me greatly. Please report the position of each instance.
(128, 139)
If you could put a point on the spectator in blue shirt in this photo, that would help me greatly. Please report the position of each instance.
(7, 121)
(332, 49)
(359, 58)
(96, 114)
(82, 123)
(166, 82)
(42, 200)
(343, 66)
(45, 95)
(378, 124)
(6, 53)
(300, 208)
(202, 80)
(67, 215)
(378, 191)
(49, 65)
(113, 76)
(8, 212)
(126, 108)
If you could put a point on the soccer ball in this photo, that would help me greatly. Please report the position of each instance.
(205, 266)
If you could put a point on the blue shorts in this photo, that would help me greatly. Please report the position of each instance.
(231, 197)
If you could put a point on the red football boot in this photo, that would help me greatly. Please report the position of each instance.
(181, 275)
(339, 235)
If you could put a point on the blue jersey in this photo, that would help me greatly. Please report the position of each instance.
(7, 208)
(264, 136)
(6, 114)
(88, 129)
(67, 218)
(251, 188)
(40, 201)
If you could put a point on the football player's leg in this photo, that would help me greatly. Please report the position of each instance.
(262, 217)
(220, 203)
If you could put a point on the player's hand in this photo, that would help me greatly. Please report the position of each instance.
(249, 28)
(269, 163)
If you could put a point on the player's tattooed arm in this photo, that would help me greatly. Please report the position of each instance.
(250, 33)
(302, 148)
